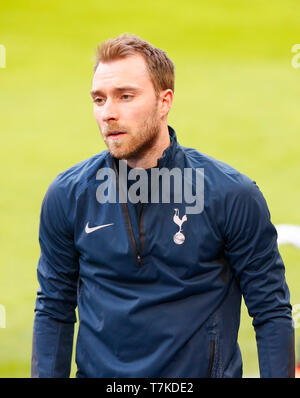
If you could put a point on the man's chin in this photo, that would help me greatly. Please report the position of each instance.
(119, 154)
(124, 155)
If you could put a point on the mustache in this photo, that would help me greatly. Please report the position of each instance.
(112, 127)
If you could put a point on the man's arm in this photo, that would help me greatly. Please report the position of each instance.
(56, 297)
(253, 254)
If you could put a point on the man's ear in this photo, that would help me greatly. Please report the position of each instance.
(166, 100)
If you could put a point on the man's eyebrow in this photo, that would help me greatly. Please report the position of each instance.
(119, 89)
(94, 93)
(128, 88)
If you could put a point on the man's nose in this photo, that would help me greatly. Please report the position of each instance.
(110, 111)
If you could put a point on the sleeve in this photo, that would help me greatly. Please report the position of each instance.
(252, 251)
(56, 300)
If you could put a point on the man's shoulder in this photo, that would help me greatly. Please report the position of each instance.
(74, 179)
(219, 175)
(222, 181)
(227, 190)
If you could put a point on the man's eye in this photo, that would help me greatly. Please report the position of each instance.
(98, 101)
(126, 96)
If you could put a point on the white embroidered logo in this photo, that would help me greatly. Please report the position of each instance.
(179, 238)
(88, 230)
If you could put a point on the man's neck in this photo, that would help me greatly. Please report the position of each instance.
(149, 159)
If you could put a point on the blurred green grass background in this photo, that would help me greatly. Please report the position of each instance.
(236, 99)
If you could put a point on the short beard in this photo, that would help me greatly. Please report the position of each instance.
(149, 132)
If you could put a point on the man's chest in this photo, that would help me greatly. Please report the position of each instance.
(117, 238)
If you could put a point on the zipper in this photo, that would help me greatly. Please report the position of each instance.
(212, 347)
(136, 251)
(141, 231)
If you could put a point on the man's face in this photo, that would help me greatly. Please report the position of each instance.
(126, 107)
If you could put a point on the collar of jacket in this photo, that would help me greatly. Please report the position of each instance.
(166, 160)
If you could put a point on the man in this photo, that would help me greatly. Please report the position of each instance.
(158, 283)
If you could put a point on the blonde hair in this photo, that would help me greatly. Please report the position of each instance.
(159, 66)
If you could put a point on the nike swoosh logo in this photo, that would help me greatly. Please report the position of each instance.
(88, 230)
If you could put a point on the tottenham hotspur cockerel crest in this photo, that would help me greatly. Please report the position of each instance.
(179, 238)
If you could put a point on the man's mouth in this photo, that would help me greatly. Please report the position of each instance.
(115, 134)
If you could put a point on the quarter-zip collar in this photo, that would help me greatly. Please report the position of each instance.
(166, 160)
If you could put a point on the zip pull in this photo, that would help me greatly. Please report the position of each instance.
(139, 259)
